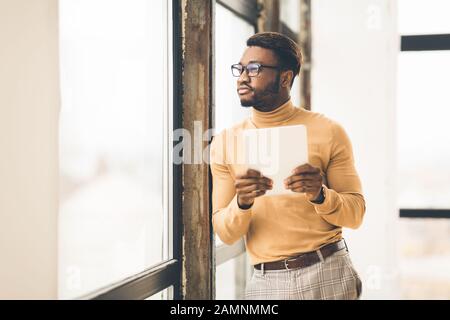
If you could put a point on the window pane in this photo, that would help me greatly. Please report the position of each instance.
(162, 295)
(423, 130)
(290, 14)
(112, 132)
(423, 17)
(231, 279)
(424, 258)
(231, 36)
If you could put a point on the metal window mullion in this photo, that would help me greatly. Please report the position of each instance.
(425, 213)
(140, 286)
(177, 173)
(426, 42)
(245, 9)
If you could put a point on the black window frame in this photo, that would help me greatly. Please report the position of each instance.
(167, 273)
(424, 42)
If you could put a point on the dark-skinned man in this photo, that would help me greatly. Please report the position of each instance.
(294, 240)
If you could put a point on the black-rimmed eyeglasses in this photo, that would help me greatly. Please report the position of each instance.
(253, 69)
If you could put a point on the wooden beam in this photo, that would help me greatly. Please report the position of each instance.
(269, 16)
(197, 268)
(305, 45)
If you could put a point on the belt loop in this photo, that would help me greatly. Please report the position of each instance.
(346, 247)
(319, 253)
(262, 268)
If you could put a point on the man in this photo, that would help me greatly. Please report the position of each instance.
(294, 241)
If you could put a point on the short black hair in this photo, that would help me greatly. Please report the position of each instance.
(286, 50)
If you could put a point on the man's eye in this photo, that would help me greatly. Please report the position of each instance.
(252, 68)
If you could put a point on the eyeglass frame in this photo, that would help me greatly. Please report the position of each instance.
(260, 66)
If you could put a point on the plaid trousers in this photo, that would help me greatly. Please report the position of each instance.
(334, 278)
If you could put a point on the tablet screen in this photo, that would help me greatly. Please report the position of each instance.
(275, 152)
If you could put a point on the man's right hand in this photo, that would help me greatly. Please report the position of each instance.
(250, 185)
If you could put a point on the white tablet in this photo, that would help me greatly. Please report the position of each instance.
(275, 152)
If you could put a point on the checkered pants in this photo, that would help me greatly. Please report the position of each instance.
(333, 278)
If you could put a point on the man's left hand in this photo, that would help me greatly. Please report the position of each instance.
(305, 179)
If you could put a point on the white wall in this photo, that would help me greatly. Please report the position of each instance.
(29, 101)
(355, 47)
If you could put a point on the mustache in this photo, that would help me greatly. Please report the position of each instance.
(244, 87)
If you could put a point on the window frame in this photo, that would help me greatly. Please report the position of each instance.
(165, 274)
(424, 42)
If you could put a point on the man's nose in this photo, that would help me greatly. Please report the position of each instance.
(243, 77)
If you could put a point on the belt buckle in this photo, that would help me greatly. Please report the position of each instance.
(286, 265)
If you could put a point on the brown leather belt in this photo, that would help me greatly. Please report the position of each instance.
(305, 259)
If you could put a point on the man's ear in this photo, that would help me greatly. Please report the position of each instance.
(286, 78)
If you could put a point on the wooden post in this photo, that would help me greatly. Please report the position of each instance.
(197, 269)
(305, 45)
(269, 16)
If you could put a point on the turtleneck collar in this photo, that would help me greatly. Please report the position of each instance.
(275, 117)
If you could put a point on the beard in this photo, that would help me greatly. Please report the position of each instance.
(262, 97)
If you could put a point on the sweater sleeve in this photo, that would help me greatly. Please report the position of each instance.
(229, 221)
(344, 204)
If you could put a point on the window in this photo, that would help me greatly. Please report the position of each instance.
(423, 156)
(231, 36)
(232, 33)
(162, 295)
(422, 109)
(423, 131)
(231, 278)
(423, 17)
(115, 164)
(235, 23)
(290, 14)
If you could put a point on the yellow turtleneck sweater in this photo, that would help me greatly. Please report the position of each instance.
(281, 226)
